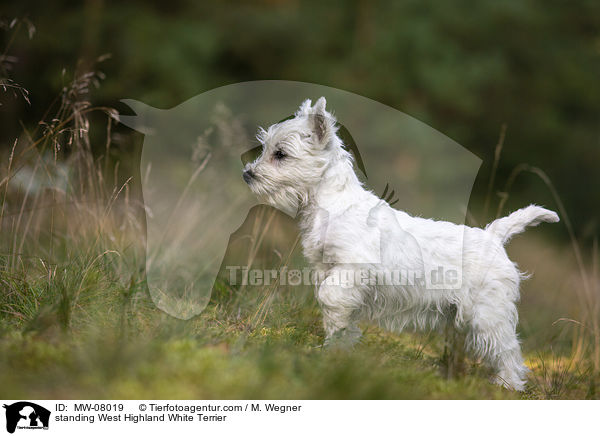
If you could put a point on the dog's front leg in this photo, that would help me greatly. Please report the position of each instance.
(341, 311)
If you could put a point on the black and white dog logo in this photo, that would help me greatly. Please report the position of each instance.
(26, 415)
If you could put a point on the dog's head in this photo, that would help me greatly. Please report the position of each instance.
(295, 154)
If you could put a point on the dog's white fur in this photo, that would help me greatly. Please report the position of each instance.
(305, 168)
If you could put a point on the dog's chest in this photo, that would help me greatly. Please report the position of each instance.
(330, 238)
(313, 229)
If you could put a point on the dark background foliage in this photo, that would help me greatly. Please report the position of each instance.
(465, 68)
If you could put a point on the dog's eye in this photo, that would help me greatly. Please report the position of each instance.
(279, 155)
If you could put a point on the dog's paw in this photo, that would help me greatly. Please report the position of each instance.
(345, 338)
(508, 382)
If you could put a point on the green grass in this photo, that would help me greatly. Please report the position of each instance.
(115, 344)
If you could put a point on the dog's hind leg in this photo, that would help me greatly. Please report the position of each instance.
(341, 311)
(494, 339)
(511, 369)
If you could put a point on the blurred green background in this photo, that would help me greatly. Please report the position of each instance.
(465, 68)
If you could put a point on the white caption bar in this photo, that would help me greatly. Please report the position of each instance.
(24, 417)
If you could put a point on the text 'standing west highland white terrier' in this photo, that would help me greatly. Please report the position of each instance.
(304, 167)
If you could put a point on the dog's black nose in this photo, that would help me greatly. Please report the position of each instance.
(248, 176)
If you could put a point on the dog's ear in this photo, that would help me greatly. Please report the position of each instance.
(323, 123)
(320, 105)
(305, 108)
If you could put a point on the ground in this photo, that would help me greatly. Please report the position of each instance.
(115, 344)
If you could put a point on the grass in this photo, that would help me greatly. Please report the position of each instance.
(77, 321)
(81, 331)
(115, 344)
(144, 354)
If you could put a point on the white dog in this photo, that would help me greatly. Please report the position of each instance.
(305, 168)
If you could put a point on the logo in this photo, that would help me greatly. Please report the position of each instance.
(26, 415)
(193, 189)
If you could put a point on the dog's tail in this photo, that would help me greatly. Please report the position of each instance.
(505, 228)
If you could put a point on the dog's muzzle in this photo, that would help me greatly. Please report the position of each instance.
(248, 176)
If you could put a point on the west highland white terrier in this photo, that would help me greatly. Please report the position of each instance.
(304, 167)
